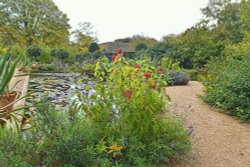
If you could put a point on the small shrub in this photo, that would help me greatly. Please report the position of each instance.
(141, 46)
(47, 67)
(60, 53)
(46, 55)
(34, 52)
(93, 47)
(80, 57)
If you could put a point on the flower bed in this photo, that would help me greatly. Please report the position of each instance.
(124, 123)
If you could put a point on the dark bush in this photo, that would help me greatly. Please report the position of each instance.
(141, 46)
(178, 78)
(93, 47)
(80, 57)
(157, 51)
(34, 52)
(60, 53)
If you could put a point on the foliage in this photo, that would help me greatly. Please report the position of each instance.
(33, 21)
(227, 82)
(46, 54)
(93, 47)
(228, 85)
(34, 52)
(47, 67)
(158, 51)
(82, 57)
(7, 70)
(137, 39)
(141, 46)
(194, 47)
(84, 36)
(99, 135)
(52, 142)
(128, 110)
(60, 53)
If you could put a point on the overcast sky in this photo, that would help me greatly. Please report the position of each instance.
(114, 19)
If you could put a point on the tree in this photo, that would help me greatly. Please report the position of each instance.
(224, 17)
(93, 47)
(213, 9)
(84, 36)
(33, 21)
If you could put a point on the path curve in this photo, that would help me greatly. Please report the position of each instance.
(218, 140)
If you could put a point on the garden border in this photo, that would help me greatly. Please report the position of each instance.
(22, 87)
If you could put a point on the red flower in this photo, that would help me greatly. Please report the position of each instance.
(147, 75)
(153, 85)
(127, 94)
(159, 71)
(113, 58)
(137, 66)
(119, 52)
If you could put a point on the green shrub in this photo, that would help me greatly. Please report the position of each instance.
(228, 85)
(194, 74)
(60, 53)
(47, 67)
(93, 47)
(46, 55)
(157, 51)
(80, 57)
(141, 46)
(34, 52)
(54, 140)
(126, 113)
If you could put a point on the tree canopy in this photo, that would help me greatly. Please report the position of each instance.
(33, 21)
(84, 35)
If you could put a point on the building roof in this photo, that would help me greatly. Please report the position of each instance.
(114, 46)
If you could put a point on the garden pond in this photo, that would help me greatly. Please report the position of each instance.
(59, 87)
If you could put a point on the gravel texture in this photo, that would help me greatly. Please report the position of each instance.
(218, 140)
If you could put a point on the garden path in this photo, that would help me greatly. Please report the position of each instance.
(218, 140)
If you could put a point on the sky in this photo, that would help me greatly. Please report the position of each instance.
(114, 19)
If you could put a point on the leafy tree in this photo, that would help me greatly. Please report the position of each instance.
(213, 9)
(93, 47)
(195, 47)
(33, 21)
(141, 46)
(223, 16)
(245, 15)
(84, 36)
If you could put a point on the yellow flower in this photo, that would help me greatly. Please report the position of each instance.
(114, 148)
(4, 50)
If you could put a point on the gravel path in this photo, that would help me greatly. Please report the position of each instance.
(218, 140)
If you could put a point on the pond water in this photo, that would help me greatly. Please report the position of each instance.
(59, 87)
